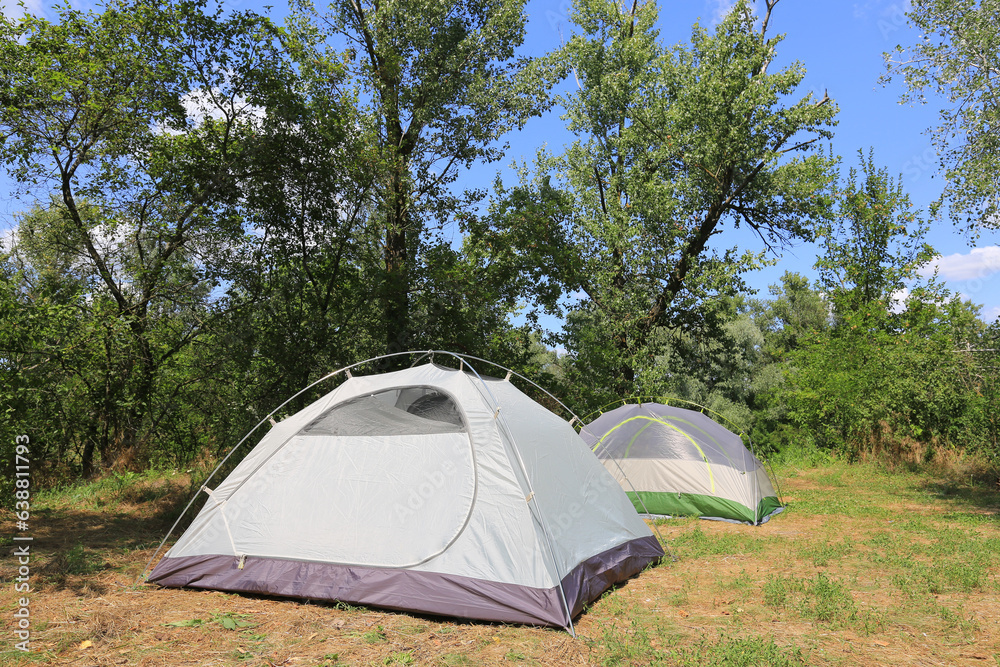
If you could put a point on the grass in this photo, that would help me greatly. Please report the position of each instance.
(638, 646)
(866, 566)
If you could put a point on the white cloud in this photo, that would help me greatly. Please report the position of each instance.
(978, 264)
(8, 236)
(991, 314)
(898, 300)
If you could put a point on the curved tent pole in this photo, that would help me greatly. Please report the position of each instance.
(345, 369)
(653, 420)
(604, 447)
(668, 400)
(740, 432)
(582, 426)
(774, 478)
(423, 353)
(501, 419)
(531, 492)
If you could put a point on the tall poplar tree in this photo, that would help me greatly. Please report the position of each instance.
(874, 248)
(439, 85)
(675, 146)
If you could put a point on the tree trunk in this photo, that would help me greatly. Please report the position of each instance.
(395, 298)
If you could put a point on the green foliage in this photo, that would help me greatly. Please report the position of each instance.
(674, 146)
(795, 312)
(140, 118)
(954, 59)
(399, 658)
(868, 388)
(229, 621)
(77, 561)
(830, 551)
(437, 85)
(240, 209)
(876, 244)
(376, 636)
(186, 623)
(884, 380)
(300, 286)
(635, 646)
(225, 620)
(822, 599)
(697, 543)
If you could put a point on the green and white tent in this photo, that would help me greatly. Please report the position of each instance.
(673, 461)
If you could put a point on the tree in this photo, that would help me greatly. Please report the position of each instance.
(875, 246)
(795, 314)
(439, 85)
(43, 340)
(889, 377)
(71, 356)
(795, 311)
(865, 389)
(956, 57)
(676, 145)
(300, 284)
(137, 118)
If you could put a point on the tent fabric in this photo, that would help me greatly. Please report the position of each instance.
(428, 489)
(673, 461)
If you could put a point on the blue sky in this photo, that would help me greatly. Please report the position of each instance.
(841, 45)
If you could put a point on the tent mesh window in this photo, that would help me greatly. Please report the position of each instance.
(403, 411)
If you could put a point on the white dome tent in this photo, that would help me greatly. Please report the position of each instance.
(430, 489)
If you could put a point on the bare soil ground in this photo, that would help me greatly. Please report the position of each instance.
(805, 588)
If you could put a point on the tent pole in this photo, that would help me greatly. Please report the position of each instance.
(502, 422)
(656, 528)
(576, 418)
(267, 418)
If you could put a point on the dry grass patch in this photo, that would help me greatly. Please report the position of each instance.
(865, 567)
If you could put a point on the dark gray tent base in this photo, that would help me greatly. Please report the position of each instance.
(409, 590)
